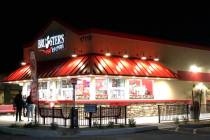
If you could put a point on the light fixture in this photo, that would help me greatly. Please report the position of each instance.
(194, 68)
(143, 57)
(74, 55)
(125, 56)
(58, 78)
(200, 86)
(23, 63)
(108, 54)
(156, 59)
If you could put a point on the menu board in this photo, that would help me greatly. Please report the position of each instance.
(140, 89)
(83, 89)
(101, 89)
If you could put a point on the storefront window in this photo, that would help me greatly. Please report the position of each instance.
(101, 89)
(42, 85)
(67, 90)
(117, 90)
(43, 93)
(66, 84)
(83, 89)
(140, 89)
(66, 94)
(26, 89)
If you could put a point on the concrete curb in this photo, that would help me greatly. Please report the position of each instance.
(118, 131)
(28, 132)
(79, 132)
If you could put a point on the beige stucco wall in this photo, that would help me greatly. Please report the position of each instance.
(175, 90)
(173, 56)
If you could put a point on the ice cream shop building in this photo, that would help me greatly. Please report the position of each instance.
(114, 69)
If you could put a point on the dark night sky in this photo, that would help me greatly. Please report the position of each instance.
(20, 23)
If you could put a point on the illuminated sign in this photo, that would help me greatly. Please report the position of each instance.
(51, 44)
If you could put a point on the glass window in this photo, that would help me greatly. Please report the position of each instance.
(117, 90)
(28, 87)
(101, 89)
(42, 85)
(118, 83)
(66, 84)
(57, 84)
(140, 89)
(83, 89)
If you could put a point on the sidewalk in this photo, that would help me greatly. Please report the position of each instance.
(7, 120)
(67, 132)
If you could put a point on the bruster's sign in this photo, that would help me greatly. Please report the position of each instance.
(51, 44)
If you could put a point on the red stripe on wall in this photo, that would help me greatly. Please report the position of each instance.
(192, 76)
(117, 102)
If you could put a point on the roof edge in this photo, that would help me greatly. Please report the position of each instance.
(116, 34)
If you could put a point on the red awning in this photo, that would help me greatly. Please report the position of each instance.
(95, 65)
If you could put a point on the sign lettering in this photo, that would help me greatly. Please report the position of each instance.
(51, 44)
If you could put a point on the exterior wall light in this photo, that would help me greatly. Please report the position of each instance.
(143, 57)
(125, 56)
(156, 59)
(74, 55)
(23, 63)
(194, 68)
(108, 54)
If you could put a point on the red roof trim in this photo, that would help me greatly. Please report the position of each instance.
(191, 76)
(100, 65)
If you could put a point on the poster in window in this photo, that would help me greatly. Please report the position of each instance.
(101, 89)
(83, 89)
(140, 89)
(117, 90)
